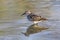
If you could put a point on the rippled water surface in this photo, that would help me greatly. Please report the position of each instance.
(12, 29)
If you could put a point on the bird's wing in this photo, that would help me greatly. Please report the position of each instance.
(35, 17)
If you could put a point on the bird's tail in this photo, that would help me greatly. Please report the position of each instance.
(44, 19)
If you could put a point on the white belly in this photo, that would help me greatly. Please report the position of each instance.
(36, 22)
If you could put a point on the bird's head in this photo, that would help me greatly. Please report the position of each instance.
(26, 12)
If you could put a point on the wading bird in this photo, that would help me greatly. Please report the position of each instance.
(36, 19)
(33, 17)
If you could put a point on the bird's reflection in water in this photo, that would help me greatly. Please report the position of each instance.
(34, 28)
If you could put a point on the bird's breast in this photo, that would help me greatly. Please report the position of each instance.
(29, 18)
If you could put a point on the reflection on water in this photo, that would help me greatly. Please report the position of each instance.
(34, 28)
(11, 29)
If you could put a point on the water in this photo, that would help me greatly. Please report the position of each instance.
(11, 29)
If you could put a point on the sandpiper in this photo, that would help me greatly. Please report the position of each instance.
(33, 17)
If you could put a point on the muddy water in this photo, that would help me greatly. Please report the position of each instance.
(11, 26)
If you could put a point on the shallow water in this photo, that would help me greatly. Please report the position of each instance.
(11, 29)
